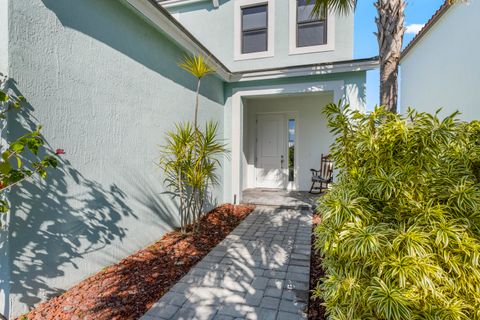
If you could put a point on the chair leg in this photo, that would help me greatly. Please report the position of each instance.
(323, 186)
(315, 188)
(311, 188)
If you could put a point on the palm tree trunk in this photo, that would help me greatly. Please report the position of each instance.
(390, 25)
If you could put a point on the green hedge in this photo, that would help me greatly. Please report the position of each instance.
(400, 231)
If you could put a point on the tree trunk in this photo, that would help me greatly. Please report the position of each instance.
(196, 103)
(390, 24)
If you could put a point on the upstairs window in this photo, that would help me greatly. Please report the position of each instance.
(255, 29)
(311, 29)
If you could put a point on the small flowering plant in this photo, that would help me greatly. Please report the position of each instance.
(22, 159)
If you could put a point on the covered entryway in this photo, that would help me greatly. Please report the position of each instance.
(284, 137)
(278, 135)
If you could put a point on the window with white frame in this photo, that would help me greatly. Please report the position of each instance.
(254, 29)
(310, 33)
(311, 28)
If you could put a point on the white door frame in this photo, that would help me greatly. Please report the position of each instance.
(337, 87)
(290, 185)
(284, 140)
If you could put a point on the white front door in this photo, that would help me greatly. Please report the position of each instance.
(271, 158)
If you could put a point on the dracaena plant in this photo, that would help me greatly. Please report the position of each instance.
(21, 158)
(400, 230)
(199, 68)
(192, 155)
(190, 160)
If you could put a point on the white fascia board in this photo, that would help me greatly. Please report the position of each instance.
(176, 3)
(153, 14)
(306, 71)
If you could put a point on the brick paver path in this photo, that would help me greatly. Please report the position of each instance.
(260, 271)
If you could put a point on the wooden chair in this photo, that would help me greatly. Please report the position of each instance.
(324, 176)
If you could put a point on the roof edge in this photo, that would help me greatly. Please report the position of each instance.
(430, 23)
(355, 65)
(176, 3)
(160, 17)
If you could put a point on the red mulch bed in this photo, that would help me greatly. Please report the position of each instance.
(315, 309)
(129, 288)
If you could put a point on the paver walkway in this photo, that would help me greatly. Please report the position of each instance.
(260, 271)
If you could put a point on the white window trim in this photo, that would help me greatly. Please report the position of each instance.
(293, 49)
(239, 4)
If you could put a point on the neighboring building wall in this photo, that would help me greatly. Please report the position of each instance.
(442, 70)
(219, 36)
(314, 137)
(106, 86)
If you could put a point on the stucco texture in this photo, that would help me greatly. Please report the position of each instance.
(442, 69)
(105, 86)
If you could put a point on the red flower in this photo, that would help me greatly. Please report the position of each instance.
(60, 151)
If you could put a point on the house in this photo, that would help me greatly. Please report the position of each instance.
(434, 72)
(101, 76)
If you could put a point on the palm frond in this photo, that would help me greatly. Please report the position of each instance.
(322, 7)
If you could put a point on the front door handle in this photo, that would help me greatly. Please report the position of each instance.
(281, 161)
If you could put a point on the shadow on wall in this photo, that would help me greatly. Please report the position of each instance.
(110, 22)
(52, 229)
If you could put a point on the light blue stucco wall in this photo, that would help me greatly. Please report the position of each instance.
(219, 35)
(442, 70)
(4, 243)
(353, 90)
(3, 36)
(105, 86)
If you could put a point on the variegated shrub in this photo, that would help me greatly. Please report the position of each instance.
(400, 230)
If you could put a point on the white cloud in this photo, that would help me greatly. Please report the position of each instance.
(414, 28)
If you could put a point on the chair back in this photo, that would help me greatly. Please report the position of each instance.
(326, 167)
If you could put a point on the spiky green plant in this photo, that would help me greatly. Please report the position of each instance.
(190, 159)
(400, 234)
(199, 68)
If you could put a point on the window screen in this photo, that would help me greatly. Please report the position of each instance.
(255, 29)
(311, 29)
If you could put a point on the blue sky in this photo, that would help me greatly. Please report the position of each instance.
(417, 13)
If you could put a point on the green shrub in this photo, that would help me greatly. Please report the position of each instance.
(400, 234)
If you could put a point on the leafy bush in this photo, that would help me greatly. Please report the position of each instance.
(400, 235)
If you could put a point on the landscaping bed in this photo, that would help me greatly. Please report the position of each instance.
(129, 288)
(315, 309)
